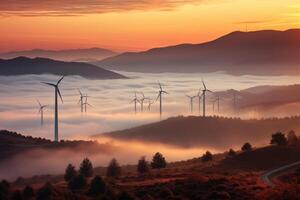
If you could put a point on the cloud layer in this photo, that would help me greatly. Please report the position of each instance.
(80, 7)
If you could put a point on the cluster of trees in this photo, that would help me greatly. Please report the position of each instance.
(281, 139)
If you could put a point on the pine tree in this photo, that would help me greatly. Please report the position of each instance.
(143, 166)
(113, 169)
(97, 186)
(158, 161)
(86, 168)
(207, 157)
(70, 172)
(246, 147)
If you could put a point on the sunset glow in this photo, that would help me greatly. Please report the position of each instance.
(132, 26)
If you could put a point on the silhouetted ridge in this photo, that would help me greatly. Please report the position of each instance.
(24, 65)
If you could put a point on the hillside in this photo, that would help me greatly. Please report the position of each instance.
(12, 144)
(264, 52)
(90, 54)
(23, 65)
(210, 132)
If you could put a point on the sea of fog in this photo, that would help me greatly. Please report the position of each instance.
(112, 108)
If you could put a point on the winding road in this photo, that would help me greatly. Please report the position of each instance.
(266, 177)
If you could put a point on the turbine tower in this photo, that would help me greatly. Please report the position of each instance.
(41, 111)
(85, 104)
(135, 101)
(56, 93)
(191, 101)
(160, 93)
(199, 101)
(204, 94)
(141, 101)
(218, 102)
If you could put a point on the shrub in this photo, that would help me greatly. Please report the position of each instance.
(143, 166)
(86, 168)
(158, 161)
(28, 192)
(246, 147)
(278, 139)
(17, 195)
(77, 183)
(207, 157)
(231, 153)
(292, 138)
(113, 169)
(70, 172)
(46, 192)
(125, 196)
(97, 186)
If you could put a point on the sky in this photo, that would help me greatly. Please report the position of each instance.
(135, 25)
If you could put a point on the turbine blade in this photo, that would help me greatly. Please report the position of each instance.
(204, 85)
(39, 103)
(60, 95)
(58, 82)
(51, 84)
(157, 96)
(159, 85)
(79, 92)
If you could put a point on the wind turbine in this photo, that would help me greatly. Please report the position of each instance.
(141, 101)
(135, 101)
(160, 93)
(56, 93)
(203, 94)
(85, 104)
(150, 103)
(218, 102)
(81, 100)
(191, 101)
(41, 110)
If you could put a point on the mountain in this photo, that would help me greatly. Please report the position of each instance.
(23, 65)
(209, 132)
(87, 55)
(264, 52)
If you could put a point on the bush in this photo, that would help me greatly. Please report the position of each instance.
(86, 168)
(143, 166)
(70, 172)
(207, 157)
(246, 147)
(113, 169)
(17, 195)
(278, 139)
(231, 153)
(46, 192)
(292, 138)
(125, 196)
(28, 192)
(97, 186)
(158, 161)
(77, 183)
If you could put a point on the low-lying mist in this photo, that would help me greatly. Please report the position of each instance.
(50, 161)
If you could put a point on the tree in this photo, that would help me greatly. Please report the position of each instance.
(292, 138)
(86, 168)
(158, 161)
(97, 186)
(278, 139)
(77, 183)
(4, 189)
(70, 172)
(246, 147)
(143, 166)
(207, 157)
(46, 192)
(231, 153)
(28, 192)
(113, 169)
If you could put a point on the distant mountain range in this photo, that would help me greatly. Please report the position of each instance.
(264, 52)
(23, 65)
(209, 132)
(84, 55)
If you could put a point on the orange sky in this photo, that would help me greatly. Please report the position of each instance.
(131, 25)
